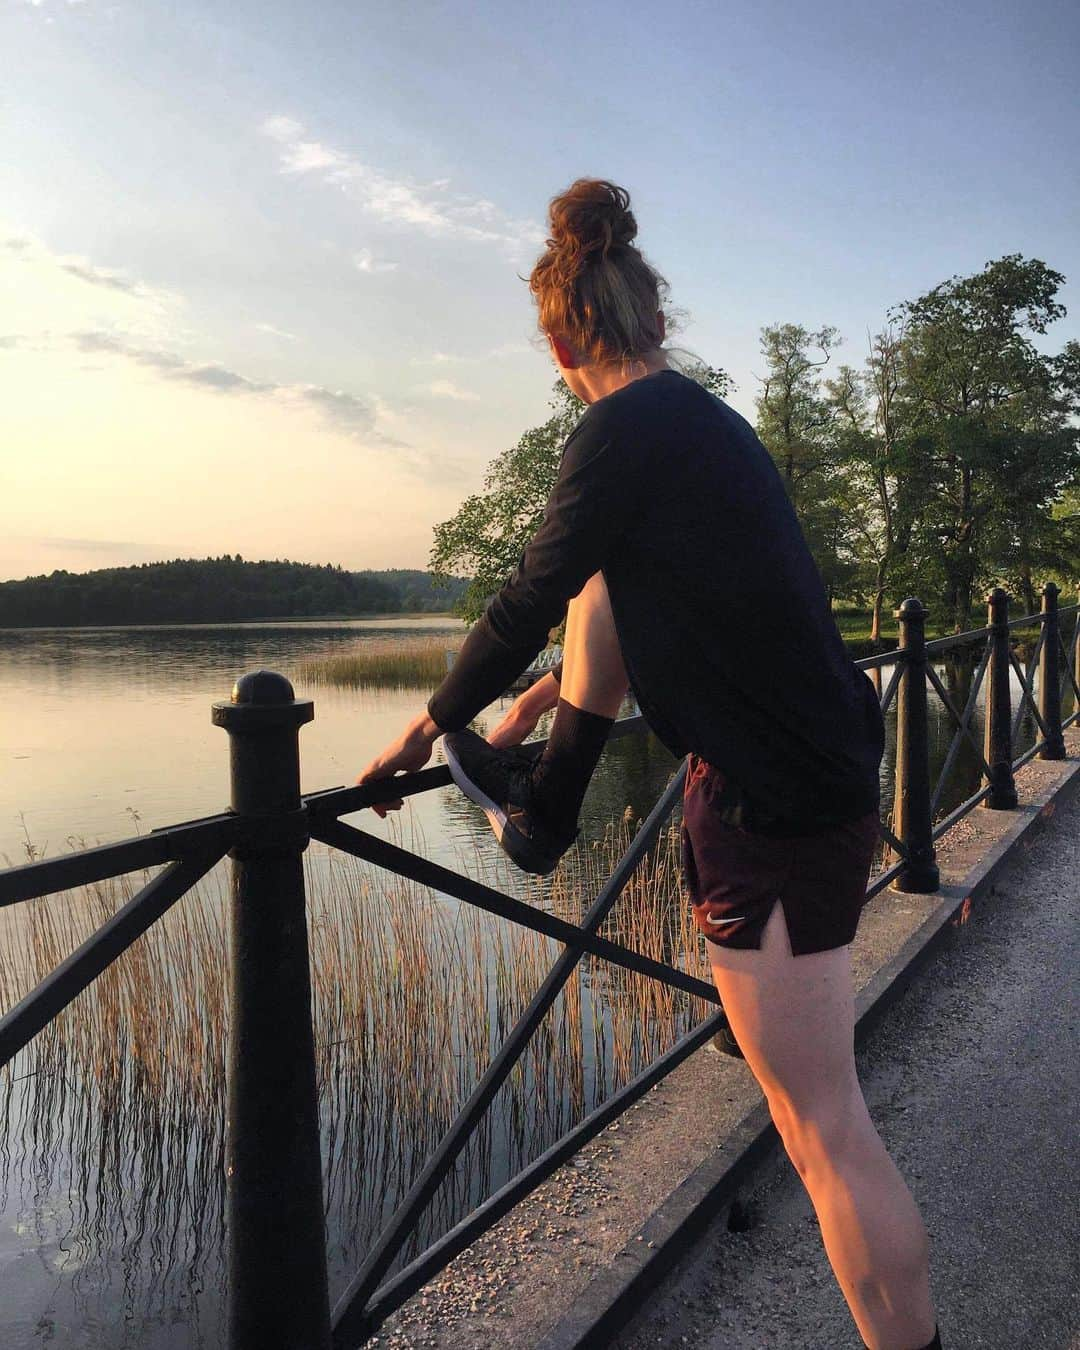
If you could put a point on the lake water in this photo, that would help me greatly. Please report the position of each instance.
(102, 723)
(110, 1198)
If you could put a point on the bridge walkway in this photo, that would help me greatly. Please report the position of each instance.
(973, 1079)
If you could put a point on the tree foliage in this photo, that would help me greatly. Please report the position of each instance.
(189, 590)
(947, 463)
(797, 425)
(991, 428)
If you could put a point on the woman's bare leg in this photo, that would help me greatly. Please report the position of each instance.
(593, 677)
(793, 1017)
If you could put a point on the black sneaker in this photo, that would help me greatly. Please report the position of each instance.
(500, 781)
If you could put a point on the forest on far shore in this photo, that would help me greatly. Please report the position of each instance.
(216, 590)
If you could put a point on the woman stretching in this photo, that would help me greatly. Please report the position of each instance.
(671, 548)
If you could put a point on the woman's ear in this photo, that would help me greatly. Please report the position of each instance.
(563, 353)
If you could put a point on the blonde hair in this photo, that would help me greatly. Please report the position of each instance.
(593, 288)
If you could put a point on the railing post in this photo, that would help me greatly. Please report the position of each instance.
(1076, 652)
(997, 737)
(911, 808)
(275, 1228)
(1049, 676)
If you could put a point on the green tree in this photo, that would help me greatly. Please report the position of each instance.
(994, 441)
(879, 485)
(797, 423)
(794, 419)
(486, 536)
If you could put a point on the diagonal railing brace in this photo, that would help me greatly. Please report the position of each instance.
(349, 1313)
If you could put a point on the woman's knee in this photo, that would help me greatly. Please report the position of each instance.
(823, 1133)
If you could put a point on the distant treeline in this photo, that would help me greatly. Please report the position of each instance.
(193, 590)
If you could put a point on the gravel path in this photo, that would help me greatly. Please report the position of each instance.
(973, 1080)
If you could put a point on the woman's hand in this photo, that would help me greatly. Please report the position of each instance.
(524, 713)
(410, 752)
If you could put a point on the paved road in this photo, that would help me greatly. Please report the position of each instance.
(973, 1080)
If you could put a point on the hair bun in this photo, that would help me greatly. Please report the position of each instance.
(589, 219)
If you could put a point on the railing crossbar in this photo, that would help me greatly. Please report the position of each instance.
(1030, 620)
(895, 844)
(1041, 745)
(1028, 696)
(890, 689)
(391, 1295)
(85, 964)
(369, 847)
(961, 811)
(350, 1308)
(962, 726)
(30, 881)
(343, 801)
(879, 659)
(883, 878)
(1067, 664)
(956, 640)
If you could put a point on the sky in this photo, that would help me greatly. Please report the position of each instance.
(261, 264)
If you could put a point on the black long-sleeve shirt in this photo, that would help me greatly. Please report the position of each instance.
(720, 609)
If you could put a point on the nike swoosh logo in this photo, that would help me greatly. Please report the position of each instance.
(717, 922)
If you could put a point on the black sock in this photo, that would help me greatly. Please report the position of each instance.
(563, 771)
(935, 1344)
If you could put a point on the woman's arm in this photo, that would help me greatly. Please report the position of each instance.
(526, 710)
(410, 752)
(601, 484)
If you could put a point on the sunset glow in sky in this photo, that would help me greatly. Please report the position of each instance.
(259, 263)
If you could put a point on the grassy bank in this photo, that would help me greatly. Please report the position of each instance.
(417, 661)
(854, 626)
(387, 663)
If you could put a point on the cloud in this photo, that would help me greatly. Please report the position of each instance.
(100, 276)
(457, 359)
(83, 545)
(430, 207)
(350, 413)
(31, 251)
(447, 389)
(275, 332)
(366, 262)
(353, 414)
(171, 366)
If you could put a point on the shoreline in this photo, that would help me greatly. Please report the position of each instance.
(228, 623)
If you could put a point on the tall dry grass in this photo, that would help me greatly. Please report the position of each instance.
(412, 995)
(384, 663)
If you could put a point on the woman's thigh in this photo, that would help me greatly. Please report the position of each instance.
(794, 1020)
(593, 677)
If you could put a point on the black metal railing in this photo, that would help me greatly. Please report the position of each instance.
(277, 1278)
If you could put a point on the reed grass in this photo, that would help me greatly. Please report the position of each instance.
(412, 994)
(384, 663)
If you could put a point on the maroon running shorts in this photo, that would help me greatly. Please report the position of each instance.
(735, 875)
